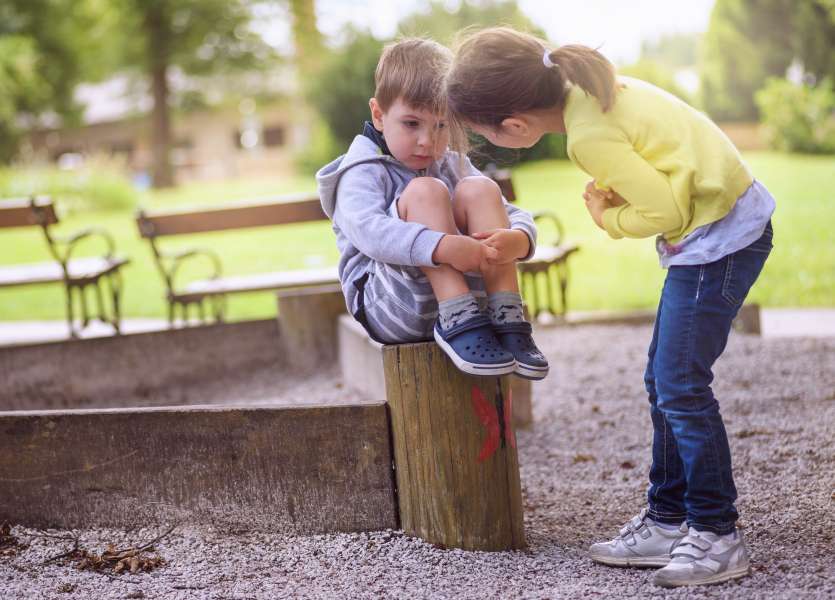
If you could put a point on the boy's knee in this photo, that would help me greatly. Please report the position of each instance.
(424, 191)
(477, 188)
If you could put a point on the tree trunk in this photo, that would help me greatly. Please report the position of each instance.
(306, 37)
(156, 26)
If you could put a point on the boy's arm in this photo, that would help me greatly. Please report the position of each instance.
(520, 220)
(650, 209)
(361, 215)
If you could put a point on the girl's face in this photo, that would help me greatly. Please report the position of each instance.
(416, 137)
(513, 132)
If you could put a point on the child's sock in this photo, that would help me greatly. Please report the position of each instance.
(457, 309)
(505, 307)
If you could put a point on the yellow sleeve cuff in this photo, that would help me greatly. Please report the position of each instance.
(610, 222)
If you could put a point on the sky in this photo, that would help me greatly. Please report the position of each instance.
(616, 26)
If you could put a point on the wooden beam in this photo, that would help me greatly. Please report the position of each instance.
(18, 212)
(286, 209)
(302, 470)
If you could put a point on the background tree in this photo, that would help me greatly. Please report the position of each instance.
(748, 41)
(193, 37)
(46, 48)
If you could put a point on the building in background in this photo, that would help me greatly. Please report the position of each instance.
(222, 139)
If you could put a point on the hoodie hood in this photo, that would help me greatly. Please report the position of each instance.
(362, 150)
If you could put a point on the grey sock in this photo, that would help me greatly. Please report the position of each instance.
(457, 309)
(505, 307)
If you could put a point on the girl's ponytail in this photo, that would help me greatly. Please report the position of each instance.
(588, 69)
(500, 72)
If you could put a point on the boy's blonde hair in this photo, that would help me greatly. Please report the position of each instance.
(413, 69)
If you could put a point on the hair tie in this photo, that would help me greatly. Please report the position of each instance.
(546, 59)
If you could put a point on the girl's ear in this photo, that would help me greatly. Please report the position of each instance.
(376, 114)
(515, 126)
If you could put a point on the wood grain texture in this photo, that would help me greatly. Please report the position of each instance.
(296, 470)
(445, 494)
(278, 211)
(308, 325)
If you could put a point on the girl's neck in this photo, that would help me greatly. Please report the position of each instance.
(552, 120)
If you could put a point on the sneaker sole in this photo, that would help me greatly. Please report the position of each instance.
(470, 368)
(638, 561)
(713, 579)
(530, 372)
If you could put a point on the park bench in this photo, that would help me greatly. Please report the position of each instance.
(77, 274)
(214, 289)
(549, 264)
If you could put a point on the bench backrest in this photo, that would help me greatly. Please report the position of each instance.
(25, 212)
(277, 211)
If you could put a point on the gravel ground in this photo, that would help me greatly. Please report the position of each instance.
(584, 466)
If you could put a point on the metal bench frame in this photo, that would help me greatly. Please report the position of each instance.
(550, 262)
(40, 211)
(267, 212)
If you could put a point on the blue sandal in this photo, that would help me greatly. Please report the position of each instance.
(516, 338)
(473, 347)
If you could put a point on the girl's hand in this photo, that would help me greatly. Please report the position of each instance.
(612, 196)
(510, 244)
(596, 203)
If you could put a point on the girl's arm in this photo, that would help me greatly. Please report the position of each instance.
(650, 207)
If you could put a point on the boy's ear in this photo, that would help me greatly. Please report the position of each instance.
(376, 114)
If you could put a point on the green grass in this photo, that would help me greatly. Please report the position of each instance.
(605, 274)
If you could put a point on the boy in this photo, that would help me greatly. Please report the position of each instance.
(422, 246)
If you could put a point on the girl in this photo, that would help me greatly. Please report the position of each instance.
(659, 168)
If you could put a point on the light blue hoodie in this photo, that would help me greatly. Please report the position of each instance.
(356, 191)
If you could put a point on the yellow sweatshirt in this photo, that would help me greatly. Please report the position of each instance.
(674, 166)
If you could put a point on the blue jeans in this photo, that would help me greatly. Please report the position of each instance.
(691, 477)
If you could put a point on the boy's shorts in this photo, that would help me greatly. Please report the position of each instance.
(398, 303)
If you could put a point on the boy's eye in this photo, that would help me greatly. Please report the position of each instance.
(411, 123)
(441, 125)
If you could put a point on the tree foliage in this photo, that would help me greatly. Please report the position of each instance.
(800, 118)
(46, 48)
(749, 41)
(197, 37)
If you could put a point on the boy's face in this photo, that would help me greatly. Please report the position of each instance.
(416, 137)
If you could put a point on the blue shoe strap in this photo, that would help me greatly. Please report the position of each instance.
(522, 327)
(464, 326)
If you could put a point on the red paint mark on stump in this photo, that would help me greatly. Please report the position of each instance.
(486, 413)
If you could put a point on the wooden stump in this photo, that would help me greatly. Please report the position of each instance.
(308, 325)
(748, 319)
(455, 453)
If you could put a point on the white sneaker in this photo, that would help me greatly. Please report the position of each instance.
(703, 557)
(641, 543)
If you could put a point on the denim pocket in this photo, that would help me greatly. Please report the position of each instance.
(742, 269)
(764, 243)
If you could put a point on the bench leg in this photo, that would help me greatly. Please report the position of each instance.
(70, 316)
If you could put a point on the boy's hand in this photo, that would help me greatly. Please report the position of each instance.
(510, 244)
(464, 254)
